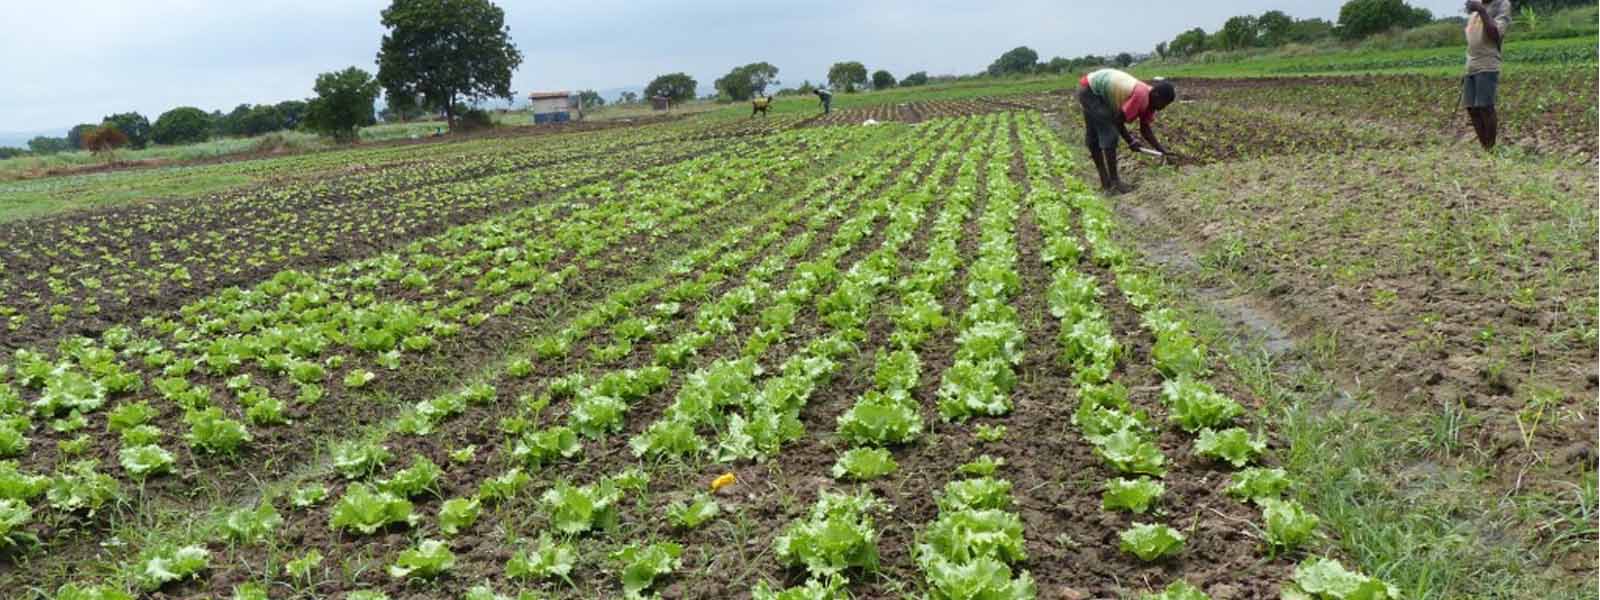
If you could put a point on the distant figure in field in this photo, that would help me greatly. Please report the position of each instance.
(760, 105)
(1486, 30)
(827, 99)
(1110, 99)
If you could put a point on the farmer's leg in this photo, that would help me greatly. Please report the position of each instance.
(1475, 115)
(1093, 143)
(1100, 165)
(1115, 186)
(1488, 88)
(1491, 126)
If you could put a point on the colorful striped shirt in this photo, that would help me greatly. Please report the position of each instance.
(1123, 91)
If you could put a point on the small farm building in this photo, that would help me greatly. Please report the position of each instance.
(554, 107)
(660, 102)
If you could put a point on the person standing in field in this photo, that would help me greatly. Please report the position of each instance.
(1486, 30)
(1110, 100)
(826, 97)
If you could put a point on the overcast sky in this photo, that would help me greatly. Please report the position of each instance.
(72, 61)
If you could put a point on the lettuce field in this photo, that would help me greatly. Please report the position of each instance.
(798, 357)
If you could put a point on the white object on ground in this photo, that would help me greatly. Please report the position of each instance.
(870, 122)
(1151, 151)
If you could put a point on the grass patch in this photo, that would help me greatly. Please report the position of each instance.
(1519, 54)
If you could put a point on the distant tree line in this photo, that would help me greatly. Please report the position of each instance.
(1358, 19)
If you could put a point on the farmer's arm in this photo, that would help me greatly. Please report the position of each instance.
(1122, 129)
(1150, 136)
(1491, 29)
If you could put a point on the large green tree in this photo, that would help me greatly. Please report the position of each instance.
(676, 86)
(75, 135)
(748, 81)
(882, 80)
(292, 113)
(262, 118)
(1361, 18)
(1189, 43)
(915, 79)
(1274, 28)
(847, 76)
(133, 125)
(343, 103)
(590, 99)
(1238, 32)
(439, 51)
(48, 145)
(1020, 59)
(182, 125)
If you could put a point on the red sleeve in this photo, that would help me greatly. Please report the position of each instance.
(1138, 104)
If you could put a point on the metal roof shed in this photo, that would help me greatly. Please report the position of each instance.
(554, 107)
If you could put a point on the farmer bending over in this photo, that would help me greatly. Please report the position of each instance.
(1111, 98)
(1486, 30)
(826, 97)
(760, 104)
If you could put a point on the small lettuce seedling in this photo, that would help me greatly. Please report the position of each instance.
(1151, 541)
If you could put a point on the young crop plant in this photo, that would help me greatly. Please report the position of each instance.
(300, 569)
(983, 466)
(989, 433)
(212, 433)
(965, 535)
(80, 486)
(546, 559)
(504, 486)
(429, 559)
(984, 577)
(14, 516)
(146, 460)
(422, 476)
(1177, 590)
(161, 566)
(641, 565)
(864, 464)
(880, 419)
(365, 510)
(1151, 542)
(1234, 446)
(17, 485)
(359, 459)
(308, 496)
(250, 526)
(1289, 525)
(693, 514)
(979, 493)
(837, 534)
(673, 436)
(578, 509)
(1258, 483)
(1326, 579)
(456, 514)
(1133, 495)
(1195, 405)
(829, 588)
(1132, 453)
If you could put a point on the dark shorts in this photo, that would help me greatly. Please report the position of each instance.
(1478, 90)
(1099, 120)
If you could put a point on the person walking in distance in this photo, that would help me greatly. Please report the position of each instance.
(1486, 30)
